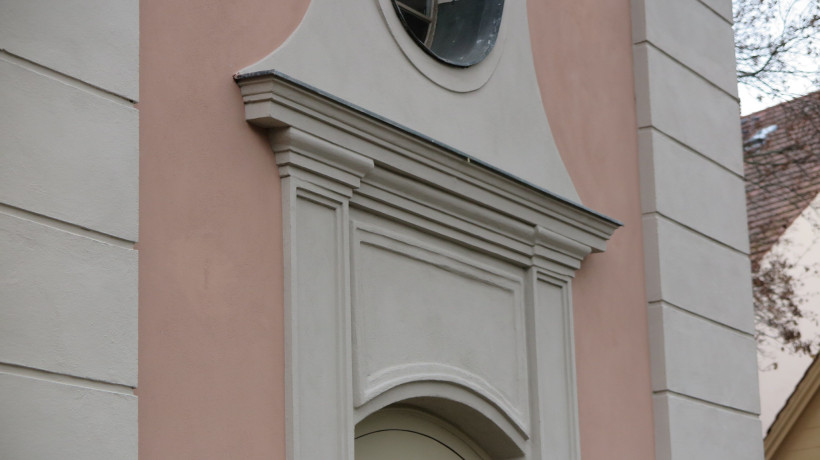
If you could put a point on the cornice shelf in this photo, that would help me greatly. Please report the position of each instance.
(419, 171)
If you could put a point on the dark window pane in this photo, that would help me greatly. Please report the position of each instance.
(417, 27)
(464, 31)
(418, 5)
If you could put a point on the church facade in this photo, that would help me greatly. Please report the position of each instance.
(320, 229)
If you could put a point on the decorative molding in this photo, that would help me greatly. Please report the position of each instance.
(552, 345)
(465, 409)
(389, 378)
(347, 49)
(275, 100)
(296, 149)
(367, 205)
(439, 262)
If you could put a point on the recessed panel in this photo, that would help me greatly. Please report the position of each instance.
(421, 312)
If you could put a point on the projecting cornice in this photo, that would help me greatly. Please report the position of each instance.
(418, 176)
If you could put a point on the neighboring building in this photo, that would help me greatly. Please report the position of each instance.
(360, 220)
(782, 147)
(793, 435)
(782, 150)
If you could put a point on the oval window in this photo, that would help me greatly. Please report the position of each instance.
(456, 32)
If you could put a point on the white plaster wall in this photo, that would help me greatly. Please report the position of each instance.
(709, 52)
(687, 107)
(695, 239)
(69, 304)
(721, 7)
(670, 169)
(93, 41)
(800, 243)
(698, 274)
(69, 153)
(45, 417)
(688, 429)
(699, 360)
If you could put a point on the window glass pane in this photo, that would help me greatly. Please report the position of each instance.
(416, 26)
(463, 33)
(418, 5)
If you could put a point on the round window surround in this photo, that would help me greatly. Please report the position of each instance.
(455, 43)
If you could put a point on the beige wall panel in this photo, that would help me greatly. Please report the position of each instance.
(96, 41)
(697, 357)
(669, 26)
(668, 171)
(686, 107)
(704, 432)
(803, 440)
(697, 274)
(807, 454)
(68, 303)
(67, 153)
(45, 420)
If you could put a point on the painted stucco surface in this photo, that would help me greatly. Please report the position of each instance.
(583, 57)
(210, 344)
(349, 50)
(68, 226)
(211, 347)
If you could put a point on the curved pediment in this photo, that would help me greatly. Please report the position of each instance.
(357, 51)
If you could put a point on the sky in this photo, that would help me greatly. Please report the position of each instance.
(752, 100)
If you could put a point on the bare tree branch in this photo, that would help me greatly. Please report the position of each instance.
(777, 47)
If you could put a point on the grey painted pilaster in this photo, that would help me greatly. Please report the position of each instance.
(695, 242)
(69, 169)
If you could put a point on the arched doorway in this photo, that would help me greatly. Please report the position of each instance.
(400, 433)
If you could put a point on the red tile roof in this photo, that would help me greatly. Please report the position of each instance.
(782, 162)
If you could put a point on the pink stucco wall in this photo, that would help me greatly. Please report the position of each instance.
(211, 349)
(583, 57)
(210, 334)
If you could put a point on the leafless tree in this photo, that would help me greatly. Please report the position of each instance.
(778, 59)
(777, 46)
